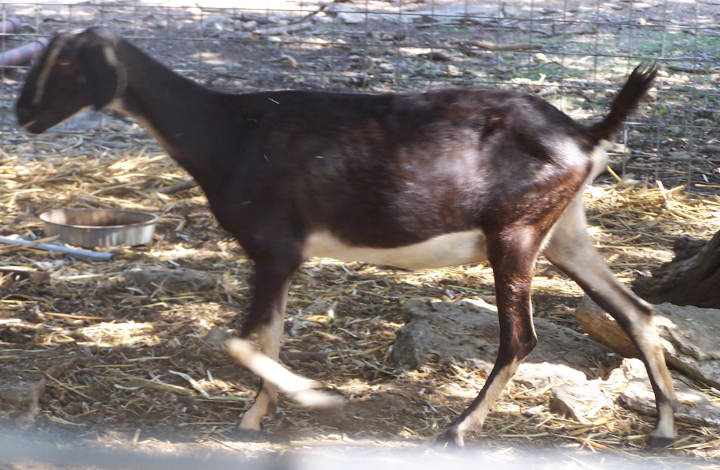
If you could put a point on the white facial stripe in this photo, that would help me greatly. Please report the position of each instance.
(47, 66)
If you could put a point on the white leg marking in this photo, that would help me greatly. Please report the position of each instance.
(269, 340)
(253, 417)
(666, 423)
(476, 419)
(648, 342)
(299, 388)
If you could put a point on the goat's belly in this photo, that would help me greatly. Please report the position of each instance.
(451, 249)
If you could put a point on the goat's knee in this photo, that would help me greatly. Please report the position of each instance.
(515, 347)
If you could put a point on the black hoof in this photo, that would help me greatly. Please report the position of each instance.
(659, 442)
(450, 439)
(251, 435)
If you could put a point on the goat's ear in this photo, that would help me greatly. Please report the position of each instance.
(104, 74)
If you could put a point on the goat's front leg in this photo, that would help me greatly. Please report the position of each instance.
(266, 318)
(512, 257)
(267, 309)
(570, 249)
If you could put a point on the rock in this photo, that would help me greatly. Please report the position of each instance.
(468, 330)
(461, 9)
(437, 56)
(711, 148)
(26, 396)
(571, 393)
(544, 375)
(288, 61)
(453, 70)
(694, 407)
(586, 401)
(249, 25)
(362, 62)
(219, 23)
(583, 402)
(320, 307)
(171, 280)
(704, 122)
(351, 17)
(679, 155)
(688, 336)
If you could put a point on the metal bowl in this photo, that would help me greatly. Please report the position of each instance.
(91, 228)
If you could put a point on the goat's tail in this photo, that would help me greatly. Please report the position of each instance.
(625, 102)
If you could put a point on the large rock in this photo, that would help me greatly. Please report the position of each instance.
(583, 402)
(631, 380)
(689, 336)
(468, 330)
(558, 368)
(587, 401)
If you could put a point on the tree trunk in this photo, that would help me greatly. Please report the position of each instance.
(691, 278)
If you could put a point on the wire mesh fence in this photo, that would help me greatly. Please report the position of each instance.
(573, 53)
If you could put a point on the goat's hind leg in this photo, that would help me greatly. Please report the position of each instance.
(513, 261)
(570, 249)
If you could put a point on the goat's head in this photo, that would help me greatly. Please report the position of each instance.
(76, 71)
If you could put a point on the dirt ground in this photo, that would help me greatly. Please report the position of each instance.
(103, 353)
(89, 356)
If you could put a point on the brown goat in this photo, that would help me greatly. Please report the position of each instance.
(413, 180)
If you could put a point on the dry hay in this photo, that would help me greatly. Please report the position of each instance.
(130, 361)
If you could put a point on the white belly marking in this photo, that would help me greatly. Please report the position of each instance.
(451, 249)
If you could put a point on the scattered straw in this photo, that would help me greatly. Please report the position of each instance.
(158, 374)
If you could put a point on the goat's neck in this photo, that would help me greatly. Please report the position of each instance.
(182, 115)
